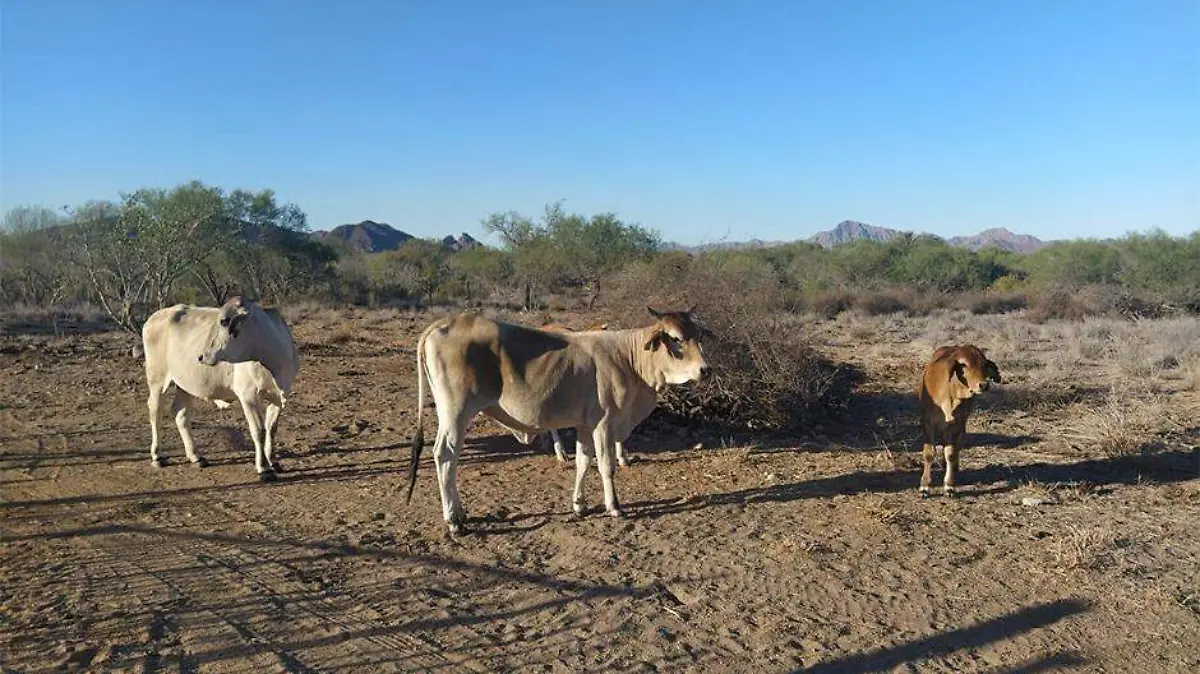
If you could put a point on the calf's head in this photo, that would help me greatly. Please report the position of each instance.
(230, 342)
(679, 337)
(973, 369)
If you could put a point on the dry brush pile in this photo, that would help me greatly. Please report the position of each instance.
(766, 375)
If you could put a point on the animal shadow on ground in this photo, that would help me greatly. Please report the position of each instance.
(990, 631)
(1166, 467)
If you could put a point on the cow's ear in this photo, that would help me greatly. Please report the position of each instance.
(993, 371)
(959, 371)
(655, 340)
(691, 309)
(653, 312)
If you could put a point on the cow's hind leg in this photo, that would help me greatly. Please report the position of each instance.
(182, 406)
(559, 452)
(951, 477)
(254, 421)
(583, 450)
(621, 457)
(270, 422)
(445, 457)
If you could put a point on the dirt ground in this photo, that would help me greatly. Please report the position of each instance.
(751, 553)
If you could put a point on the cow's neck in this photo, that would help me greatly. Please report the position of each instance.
(634, 344)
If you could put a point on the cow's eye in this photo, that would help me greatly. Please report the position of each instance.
(225, 322)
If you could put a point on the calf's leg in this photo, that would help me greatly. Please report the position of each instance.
(182, 406)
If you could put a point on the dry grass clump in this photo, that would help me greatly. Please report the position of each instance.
(1120, 426)
(1191, 373)
(766, 375)
(1084, 548)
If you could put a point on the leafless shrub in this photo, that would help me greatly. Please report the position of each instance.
(830, 303)
(994, 302)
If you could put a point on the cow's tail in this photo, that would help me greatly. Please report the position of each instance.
(418, 441)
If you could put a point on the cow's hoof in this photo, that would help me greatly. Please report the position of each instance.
(277, 467)
(616, 513)
(158, 462)
(200, 462)
(624, 463)
(267, 476)
(948, 492)
(579, 509)
(924, 492)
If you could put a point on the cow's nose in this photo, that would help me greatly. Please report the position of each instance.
(984, 386)
(705, 371)
(200, 358)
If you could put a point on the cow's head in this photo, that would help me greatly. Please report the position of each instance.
(230, 343)
(973, 369)
(679, 337)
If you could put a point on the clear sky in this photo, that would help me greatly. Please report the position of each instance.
(705, 119)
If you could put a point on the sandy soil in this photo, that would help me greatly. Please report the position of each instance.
(813, 554)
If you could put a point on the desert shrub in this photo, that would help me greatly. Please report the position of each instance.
(830, 303)
(995, 302)
(766, 376)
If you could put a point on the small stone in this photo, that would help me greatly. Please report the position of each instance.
(1035, 501)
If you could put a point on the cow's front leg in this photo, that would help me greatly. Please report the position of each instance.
(949, 483)
(927, 471)
(606, 463)
(582, 459)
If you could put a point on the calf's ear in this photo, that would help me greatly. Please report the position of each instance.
(655, 340)
(993, 371)
(653, 312)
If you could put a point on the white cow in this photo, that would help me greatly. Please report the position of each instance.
(602, 383)
(238, 352)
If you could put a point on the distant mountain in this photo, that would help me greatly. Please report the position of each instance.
(463, 242)
(849, 230)
(368, 235)
(1001, 238)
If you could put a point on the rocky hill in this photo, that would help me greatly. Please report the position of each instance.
(1001, 238)
(368, 235)
(850, 230)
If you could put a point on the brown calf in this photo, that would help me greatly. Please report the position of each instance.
(949, 384)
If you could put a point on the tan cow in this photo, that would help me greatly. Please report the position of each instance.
(238, 352)
(559, 451)
(602, 383)
(947, 390)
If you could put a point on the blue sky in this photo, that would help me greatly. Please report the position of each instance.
(703, 119)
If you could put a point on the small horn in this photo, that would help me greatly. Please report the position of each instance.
(691, 309)
(653, 312)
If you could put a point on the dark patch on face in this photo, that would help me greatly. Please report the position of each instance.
(179, 314)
